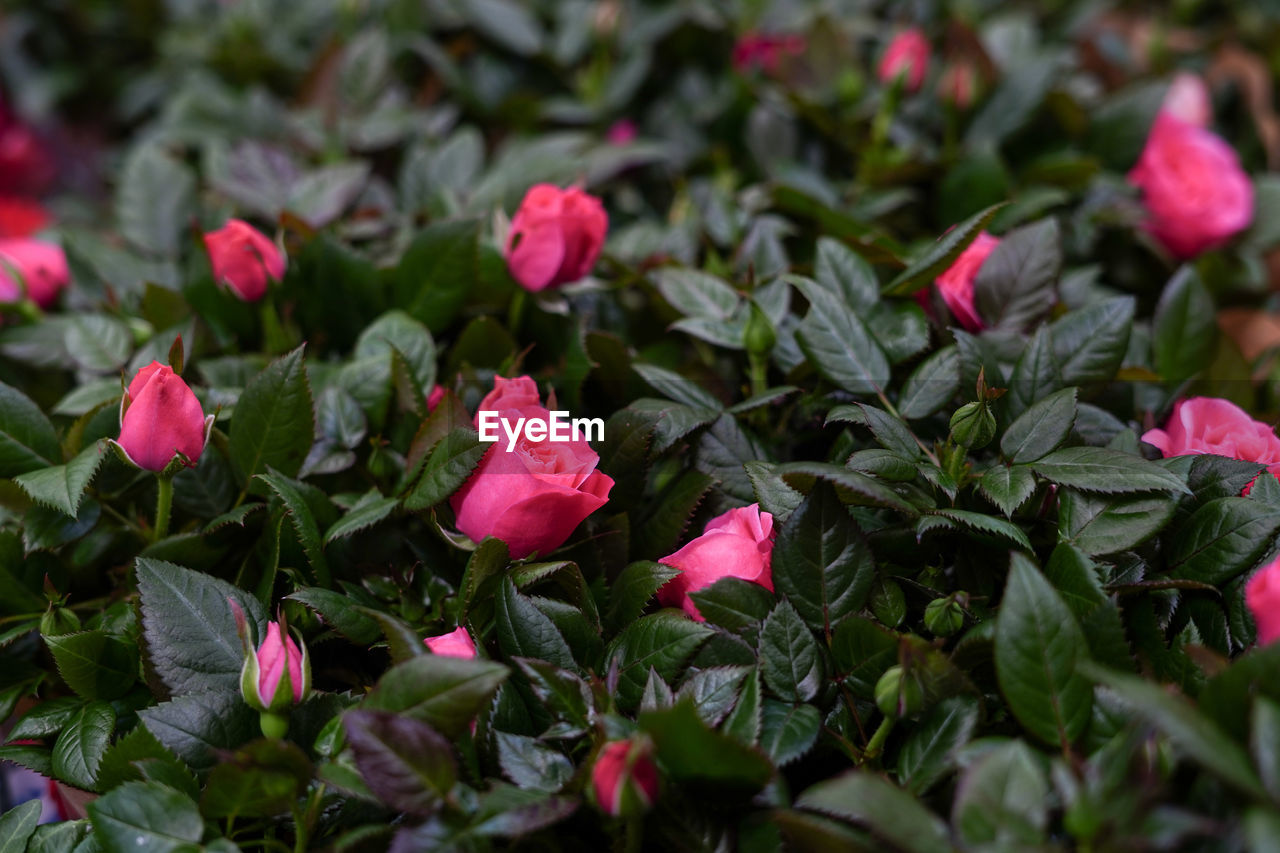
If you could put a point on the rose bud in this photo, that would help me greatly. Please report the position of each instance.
(244, 259)
(555, 237)
(906, 57)
(534, 495)
(955, 285)
(1188, 99)
(161, 420)
(21, 217)
(766, 51)
(1196, 195)
(958, 84)
(621, 132)
(1211, 425)
(275, 677)
(1262, 595)
(455, 644)
(737, 544)
(434, 397)
(624, 778)
(36, 264)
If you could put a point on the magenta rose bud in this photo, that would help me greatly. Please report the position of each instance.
(530, 494)
(1188, 99)
(161, 419)
(455, 644)
(738, 544)
(907, 56)
(555, 237)
(1211, 425)
(1262, 595)
(244, 259)
(37, 265)
(765, 51)
(1196, 195)
(621, 132)
(624, 778)
(958, 84)
(955, 285)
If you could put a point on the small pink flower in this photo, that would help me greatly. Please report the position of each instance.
(455, 644)
(161, 419)
(625, 778)
(765, 51)
(39, 265)
(1188, 99)
(737, 544)
(555, 237)
(244, 259)
(275, 654)
(1262, 595)
(956, 283)
(958, 84)
(1197, 196)
(434, 397)
(621, 132)
(907, 56)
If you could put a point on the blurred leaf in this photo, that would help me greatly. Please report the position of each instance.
(155, 200)
(888, 811)
(273, 423)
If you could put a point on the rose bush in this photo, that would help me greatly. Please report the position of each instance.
(936, 502)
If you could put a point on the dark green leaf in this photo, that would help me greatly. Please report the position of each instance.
(531, 764)
(147, 816)
(438, 272)
(632, 590)
(930, 751)
(663, 641)
(789, 657)
(1222, 539)
(155, 199)
(1038, 645)
(408, 764)
(1099, 469)
(838, 343)
(525, 631)
(821, 560)
(940, 255)
(1186, 327)
(445, 692)
(95, 664)
(888, 811)
(1101, 524)
(693, 753)
(788, 731)
(1008, 487)
(273, 423)
(1001, 800)
(931, 385)
(1090, 343)
(449, 466)
(27, 439)
(339, 613)
(304, 523)
(17, 826)
(1041, 428)
(846, 274)
(196, 725)
(1015, 285)
(733, 603)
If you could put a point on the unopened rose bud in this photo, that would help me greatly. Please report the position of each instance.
(161, 420)
(244, 259)
(973, 425)
(275, 677)
(944, 616)
(897, 694)
(625, 778)
(906, 57)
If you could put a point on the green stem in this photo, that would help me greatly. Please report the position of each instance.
(876, 744)
(164, 502)
(515, 312)
(274, 338)
(633, 834)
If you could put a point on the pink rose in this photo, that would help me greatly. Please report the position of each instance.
(21, 217)
(434, 397)
(1262, 595)
(534, 495)
(1211, 425)
(907, 56)
(621, 132)
(274, 655)
(39, 265)
(738, 544)
(556, 236)
(958, 84)
(244, 259)
(1188, 99)
(1195, 192)
(161, 418)
(455, 644)
(956, 283)
(625, 778)
(765, 51)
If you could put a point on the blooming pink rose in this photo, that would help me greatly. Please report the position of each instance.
(956, 282)
(244, 259)
(21, 217)
(765, 51)
(1195, 192)
(162, 417)
(906, 56)
(556, 236)
(276, 652)
(1211, 425)
(533, 496)
(455, 644)
(39, 265)
(1188, 99)
(737, 544)
(1262, 595)
(625, 778)
(958, 84)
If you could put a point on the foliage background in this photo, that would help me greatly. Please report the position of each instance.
(1100, 690)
